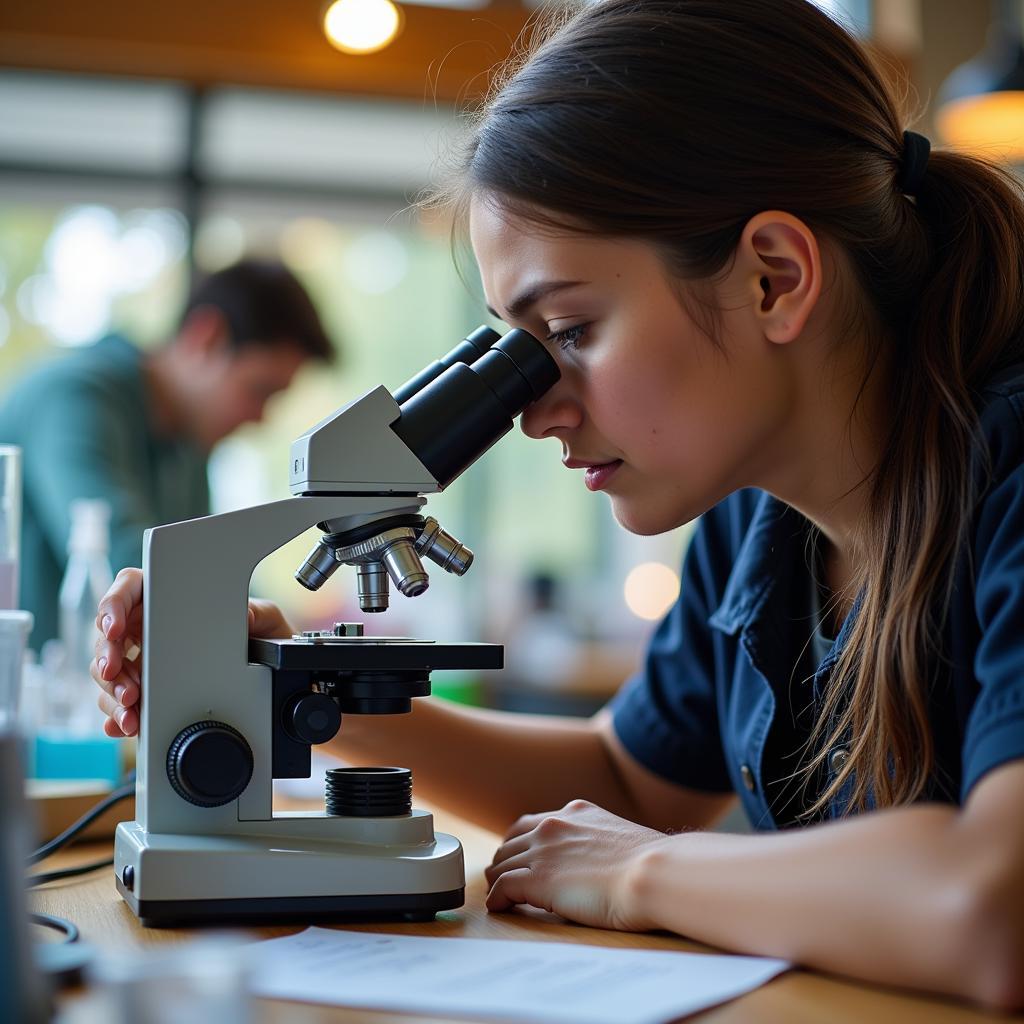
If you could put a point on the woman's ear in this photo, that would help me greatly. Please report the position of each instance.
(780, 263)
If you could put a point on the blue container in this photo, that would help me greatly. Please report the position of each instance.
(63, 755)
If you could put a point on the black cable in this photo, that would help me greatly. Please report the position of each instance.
(59, 924)
(56, 876)
(54, 963)
(72, 831)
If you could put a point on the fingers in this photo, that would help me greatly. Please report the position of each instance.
(267, 620)
(511, 888)
(112, 729)
(125, 720)
(524, 824)
(119, 603)
(116, 668)
(113, 663)
(504, 854)
(123, 689)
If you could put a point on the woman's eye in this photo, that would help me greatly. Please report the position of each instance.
(569, 338)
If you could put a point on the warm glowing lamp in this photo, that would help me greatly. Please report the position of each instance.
(981, 104)
(362, 26)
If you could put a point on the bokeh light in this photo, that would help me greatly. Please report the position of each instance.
(362, 26)
(376, 262)
(650, 590)
(93, 256)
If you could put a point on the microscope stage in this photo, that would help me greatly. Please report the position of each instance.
(368, 654)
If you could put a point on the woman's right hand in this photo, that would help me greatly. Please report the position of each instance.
(117, 667)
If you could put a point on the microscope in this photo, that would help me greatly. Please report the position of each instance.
(223, 715)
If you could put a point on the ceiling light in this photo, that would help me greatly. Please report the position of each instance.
(362, 26)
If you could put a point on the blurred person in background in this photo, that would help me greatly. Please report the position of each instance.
(136, 428)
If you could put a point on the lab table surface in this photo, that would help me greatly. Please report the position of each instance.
(799, 996)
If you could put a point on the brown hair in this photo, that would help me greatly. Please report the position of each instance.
(264, 305)
(675, 121)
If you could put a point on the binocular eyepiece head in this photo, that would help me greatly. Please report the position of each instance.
(455, 416)
(451, 413)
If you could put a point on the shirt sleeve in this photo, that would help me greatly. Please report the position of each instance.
(666, 715)
(82, 448)
(995, 727)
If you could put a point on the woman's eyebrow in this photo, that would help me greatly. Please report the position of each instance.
(517, 307)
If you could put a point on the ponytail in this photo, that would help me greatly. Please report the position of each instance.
(966, 325)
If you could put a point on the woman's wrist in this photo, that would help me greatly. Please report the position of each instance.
(645, 884)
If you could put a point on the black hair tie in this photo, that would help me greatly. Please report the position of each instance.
(915, 161)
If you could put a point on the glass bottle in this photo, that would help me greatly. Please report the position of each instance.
(86, 579)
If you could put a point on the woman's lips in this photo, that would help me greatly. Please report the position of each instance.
(597, 476)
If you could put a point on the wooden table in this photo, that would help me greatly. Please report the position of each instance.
(800, 997)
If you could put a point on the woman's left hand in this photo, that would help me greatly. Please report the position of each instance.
(575, 862)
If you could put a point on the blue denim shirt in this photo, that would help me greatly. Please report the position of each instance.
(728, 690)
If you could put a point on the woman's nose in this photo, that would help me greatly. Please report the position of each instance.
(555, 411)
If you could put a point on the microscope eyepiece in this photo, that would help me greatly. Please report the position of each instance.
(469, 350)
(453, 420)
(532, 360)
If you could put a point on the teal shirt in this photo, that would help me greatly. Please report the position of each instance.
(85, 429)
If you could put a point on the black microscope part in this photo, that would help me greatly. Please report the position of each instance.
(368, 792)
(209, 763)
(452, 421)
(532, 360)
(359, 533)
(467, 351)
(370, 655)
(364, 678)
(312, 718)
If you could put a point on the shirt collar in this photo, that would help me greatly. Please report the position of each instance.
(774, 542)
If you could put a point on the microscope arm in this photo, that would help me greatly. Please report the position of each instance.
(195, 660)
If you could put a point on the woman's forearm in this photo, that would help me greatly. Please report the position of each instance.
(900, 897)
(488, 766)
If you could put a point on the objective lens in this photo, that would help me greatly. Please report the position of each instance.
(443, 548)
(372, 586)
(405, 568)
(319, 566)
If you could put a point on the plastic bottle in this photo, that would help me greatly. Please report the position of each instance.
(10, 525)
(69, 739)
(86, 579)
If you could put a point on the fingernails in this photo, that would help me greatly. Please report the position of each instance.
(108, 621)
(102, 666)
(119, 716)
(119, 692)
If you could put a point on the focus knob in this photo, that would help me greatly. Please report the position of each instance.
(209, 764)
(313, 718)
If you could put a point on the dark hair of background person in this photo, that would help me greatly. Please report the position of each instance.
(675, 122)
(264, 305)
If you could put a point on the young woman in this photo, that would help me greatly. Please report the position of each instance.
(773, 307)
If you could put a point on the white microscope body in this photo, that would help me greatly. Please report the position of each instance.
(221, 716)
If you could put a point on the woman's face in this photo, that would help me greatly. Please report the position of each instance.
(648, 407)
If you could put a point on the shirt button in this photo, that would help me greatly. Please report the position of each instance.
(837, 759)
(747, 774)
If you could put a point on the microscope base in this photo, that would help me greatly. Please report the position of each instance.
(408, 907)
(171, 879)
